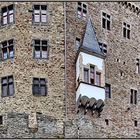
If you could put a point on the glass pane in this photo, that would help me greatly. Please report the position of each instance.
(44, 43)
(5, 20)
(37, 42)
(98, 76)
(4, 13)
(37, 52)
(44, 52)
(5, 54)
(42, 81)
(4, 44)
(86, 78)
(36, 7)
(37, 12)
(43, 7)
(36, 89)
(79, 3)
(103, 22)
(11, 89)
(36, 81)
(4, 80)
(11, 12)
(43, 90)
(43, 18)
(11, 52)
(37, 18)
(11, 18)
(10, 8)
(108, 24)
(10, 79)
(4, 90)
(79, 14)
(10, 42)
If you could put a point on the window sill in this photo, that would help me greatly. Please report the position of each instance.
(39, 24)
(7, 25)
(38, 95)
(7, 96)
(89, 84)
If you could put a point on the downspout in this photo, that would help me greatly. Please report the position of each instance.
(65, 62)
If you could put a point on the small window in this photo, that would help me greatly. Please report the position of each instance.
(107, 121)
(77, 43)
(7, 15)
(126, 30)
(135, 123)
(7, 86)
(108, 90)
(92, 75)
(40, 49)
(133, 96)
(40, 14)
(137, 65)
(86, 75)
(103, 47)
(1, 120)
(98, 79)
(105, 21)
(7, 48)
(81, 10)
(39, 86)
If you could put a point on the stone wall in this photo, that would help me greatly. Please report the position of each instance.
(121, 119)
(16, 126)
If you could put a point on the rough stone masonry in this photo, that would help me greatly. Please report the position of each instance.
(54, 115)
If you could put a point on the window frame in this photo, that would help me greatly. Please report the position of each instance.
(126, 35)
(108, 94)
(103, 47)
(99, 78)
(86, 69)
(33, 49)
(106, 20)
(40, 15)
(76, 43)
(82, 17)
(7, 86)
(46, 87)
(133, 97)
(8, 15)
(8, 49)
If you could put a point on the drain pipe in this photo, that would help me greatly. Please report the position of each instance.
(65, 61)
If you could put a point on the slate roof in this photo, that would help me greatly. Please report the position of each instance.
(90, 42)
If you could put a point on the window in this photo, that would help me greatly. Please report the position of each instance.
(1, 120)
(40, 14)
(7, 48)
(133, 96)
(108, 90)
(81, 10)
(92, 75)
(77, 43)
(137, 66)
(126, 30)
(107, 121)
(135, 123)
(40, 49)
(7, 15)
(98, 79)
(39, 86)
(7, 86)
(105, 21)
(86, 75)
(103, 47)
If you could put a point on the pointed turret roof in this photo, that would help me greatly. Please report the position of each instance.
(90, 42)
